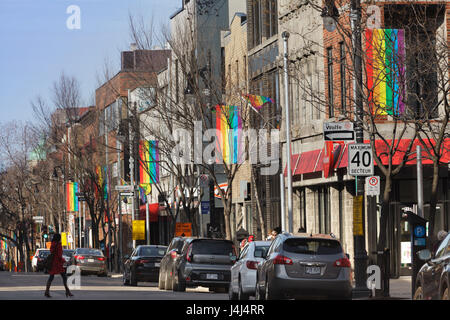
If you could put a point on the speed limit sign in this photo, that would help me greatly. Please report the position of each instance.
(360, 160)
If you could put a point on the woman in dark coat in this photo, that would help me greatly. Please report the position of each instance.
(57, 265)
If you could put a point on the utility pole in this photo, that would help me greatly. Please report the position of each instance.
(361, 258)
(285, 36)
(419, 182)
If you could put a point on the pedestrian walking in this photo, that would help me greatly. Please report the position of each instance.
(57, 265)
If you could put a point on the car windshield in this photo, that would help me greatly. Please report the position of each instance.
(212, 247)
(44, 253)
(92, 252)
(312, 246)
(260, 251)
(68, 253)
(152, 251)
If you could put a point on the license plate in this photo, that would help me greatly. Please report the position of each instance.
(212, 276)
(313, 270)
(90, 260)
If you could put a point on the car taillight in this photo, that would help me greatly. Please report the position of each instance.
(280, 259)
(79, 257)
(101, 259)
(252, 265)
(173, 255)
(342, 263)
(188, 254)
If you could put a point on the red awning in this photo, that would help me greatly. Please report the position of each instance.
(312, 161)
(294, 161)
(153, 211)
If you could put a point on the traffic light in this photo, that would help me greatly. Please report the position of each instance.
(44, 232)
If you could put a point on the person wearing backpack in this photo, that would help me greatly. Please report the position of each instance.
(55, 265)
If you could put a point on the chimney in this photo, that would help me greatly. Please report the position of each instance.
(133, 47)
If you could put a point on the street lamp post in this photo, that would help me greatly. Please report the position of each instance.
(285, 36)
(361, 258)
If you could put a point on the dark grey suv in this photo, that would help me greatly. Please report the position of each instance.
(204, 262)
(306, 266)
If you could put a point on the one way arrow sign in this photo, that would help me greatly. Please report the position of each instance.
(338, 131)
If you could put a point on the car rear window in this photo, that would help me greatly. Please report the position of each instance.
(312, 246)
(212, 247)
(68, 253)
(260, 251)
(44, 253)
(151, 252)
(92, 252)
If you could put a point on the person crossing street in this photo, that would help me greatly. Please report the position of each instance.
(57, 265)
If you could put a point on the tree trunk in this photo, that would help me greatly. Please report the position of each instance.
(433, 203)
(261, 221)
(227, 213)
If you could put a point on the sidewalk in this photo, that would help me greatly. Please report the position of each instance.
(399, 289)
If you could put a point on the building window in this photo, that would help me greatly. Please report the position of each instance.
(343, 77)
(330, 82)
(323, 205)
(257, 23)
(272, 25)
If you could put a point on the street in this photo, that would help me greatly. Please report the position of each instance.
(31, 286)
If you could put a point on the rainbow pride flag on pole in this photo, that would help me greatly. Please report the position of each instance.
(229, 134)
(256, 102)
(385, 67)
(71, 197)
(149, 162)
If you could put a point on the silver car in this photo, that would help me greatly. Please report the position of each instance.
(90, 261)
(243, 272)
(304, 267)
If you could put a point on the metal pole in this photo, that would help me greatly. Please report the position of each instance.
(283, 209)
(120, 234)
(285, 36)
(200, 202)
(79, 225)
(147, 221)
(361, 258)
(419, 182)
(131, 141)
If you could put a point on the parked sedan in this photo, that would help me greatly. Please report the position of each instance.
(35, 259)
(143, 264)
(433, 279)
(90, 261)
(243, 272)
(67, 256)
(173, 253)
(41, 257)
(304, 267)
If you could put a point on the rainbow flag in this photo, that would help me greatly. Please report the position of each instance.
(149, 162)
(71, 197)
(385, 68)
(228, 134)
(257, 102)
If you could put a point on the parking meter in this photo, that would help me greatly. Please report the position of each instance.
(418, 242)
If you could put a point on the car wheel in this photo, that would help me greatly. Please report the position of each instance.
(445, 295)
(418, 295)
(268, 295)
(241, 294)
(168, 281)
(258, 295)
(133, 281)
(125, 281)
(161, 284)
(231, 294)
(181, 283)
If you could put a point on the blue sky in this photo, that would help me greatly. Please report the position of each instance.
(36, 45)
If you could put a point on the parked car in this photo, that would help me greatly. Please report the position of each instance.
(304, 267)
(204, 262)
(143, 264)
(243, 272)
(90, 261)
(173, 253)
(36, 258)
(67, 256)
(2, 265)
(433, 279)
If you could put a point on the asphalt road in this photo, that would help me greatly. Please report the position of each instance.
(31, 286)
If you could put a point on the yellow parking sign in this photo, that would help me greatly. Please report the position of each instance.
(139, 230)
(64, 239)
